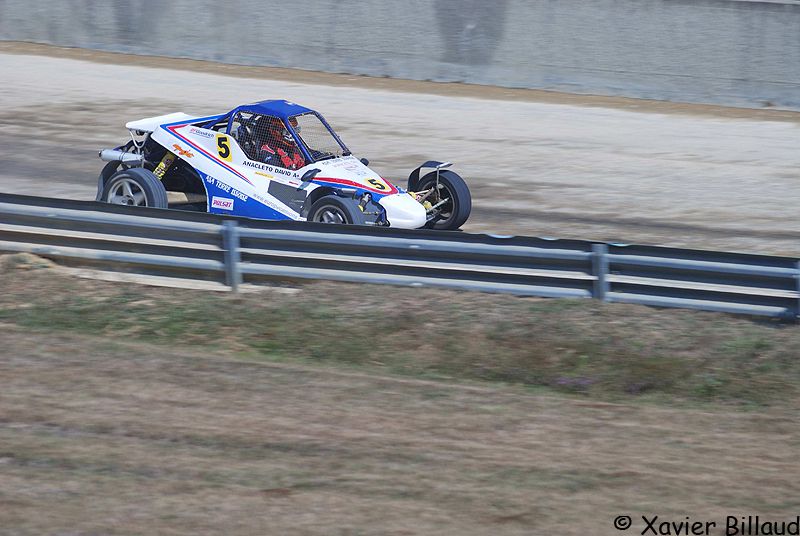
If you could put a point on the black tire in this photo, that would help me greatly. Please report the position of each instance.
(451, 186)
(135, 187)
(333, 209)
(106, 173)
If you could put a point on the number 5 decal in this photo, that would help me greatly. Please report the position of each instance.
(224, 147)
(378, 184)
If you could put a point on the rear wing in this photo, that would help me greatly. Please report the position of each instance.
(149, 124)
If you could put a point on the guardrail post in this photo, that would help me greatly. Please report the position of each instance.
(797, 285)
(600, 271)
(230, 243)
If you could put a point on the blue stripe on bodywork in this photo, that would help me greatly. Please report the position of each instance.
(248, 207)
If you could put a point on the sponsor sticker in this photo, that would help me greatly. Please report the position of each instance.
(285, 172)
(181, 151)
(275, 206)
(265, 167)
(198, 132)
(222, 186)
(222, 203)
(257, 165)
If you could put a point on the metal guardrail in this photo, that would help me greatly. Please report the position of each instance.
(242, 250)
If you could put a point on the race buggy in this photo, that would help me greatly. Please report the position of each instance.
(272, 160)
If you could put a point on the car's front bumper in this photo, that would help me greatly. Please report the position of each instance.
(403, 211)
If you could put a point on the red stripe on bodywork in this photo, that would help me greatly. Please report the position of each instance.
(392, 188)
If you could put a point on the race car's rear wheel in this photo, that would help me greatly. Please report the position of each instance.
(135, 187)
(333, 209)
(108, 170)
(450, 200)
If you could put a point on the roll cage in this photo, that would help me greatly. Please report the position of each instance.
(285, 112)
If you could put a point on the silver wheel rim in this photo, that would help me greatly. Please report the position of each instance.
(330, 214)
(445, 193)
(127, 192)
(444, 213)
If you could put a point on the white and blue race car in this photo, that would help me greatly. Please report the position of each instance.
(272, 160)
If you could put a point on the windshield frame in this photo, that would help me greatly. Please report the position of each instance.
(302, 143)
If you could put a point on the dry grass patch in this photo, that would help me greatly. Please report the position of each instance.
(135, 410)
(607, 351)
(98, 437)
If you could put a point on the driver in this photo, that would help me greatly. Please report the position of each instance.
(276, 145)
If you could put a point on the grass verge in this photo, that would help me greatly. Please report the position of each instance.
(155, 424)
(608, 351)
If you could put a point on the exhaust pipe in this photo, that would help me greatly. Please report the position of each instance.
(115, 155)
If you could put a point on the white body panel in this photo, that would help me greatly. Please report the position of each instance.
(236, 175)
(403, 211)
(231, 176)
(149, 124)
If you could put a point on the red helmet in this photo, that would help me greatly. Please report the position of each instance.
(276, 131)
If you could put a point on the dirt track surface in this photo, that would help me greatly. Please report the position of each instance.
(538, 163)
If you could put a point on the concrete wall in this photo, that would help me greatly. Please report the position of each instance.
(744, 53)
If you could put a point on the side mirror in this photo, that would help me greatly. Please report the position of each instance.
(307, 177)
(364, 161)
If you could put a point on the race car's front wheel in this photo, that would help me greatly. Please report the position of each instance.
(333, 209)
(450, 202)
(135, 187)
